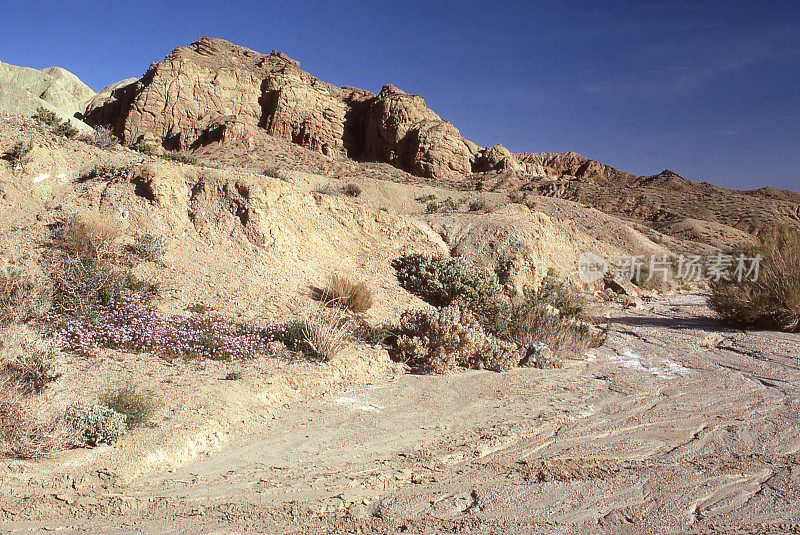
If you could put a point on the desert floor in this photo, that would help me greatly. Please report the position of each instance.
(675, 425)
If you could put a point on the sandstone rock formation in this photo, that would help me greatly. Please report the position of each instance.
(200, 92)
(23, 90)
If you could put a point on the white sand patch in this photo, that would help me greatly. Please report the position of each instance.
(358, 404)
(662, 368)
(41, 178)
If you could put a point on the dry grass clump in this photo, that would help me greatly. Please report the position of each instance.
(87, 236)
(325, 330)
(25, 434)
(528, 320)
(149, 246)
(28, 361)
(772, 300)
(355, 296)
(26, 431)
(23, 295)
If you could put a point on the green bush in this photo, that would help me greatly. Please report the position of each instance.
(180, 158)
(81, 286)
(772, 300)
(442, 281)
(144, 147)
(45, 117)
(65, 129)
(108, 173)
(96, 424)
(19, 154)
(441, 340)
(137, 407)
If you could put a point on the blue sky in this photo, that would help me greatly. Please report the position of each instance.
(710, 90)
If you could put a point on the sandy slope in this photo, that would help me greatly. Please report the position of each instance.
(675, 425)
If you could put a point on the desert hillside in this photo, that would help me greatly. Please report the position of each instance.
(237, 298)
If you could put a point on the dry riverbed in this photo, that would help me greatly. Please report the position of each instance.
(675, 425)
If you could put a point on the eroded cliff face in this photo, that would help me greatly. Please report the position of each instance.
(212, 90)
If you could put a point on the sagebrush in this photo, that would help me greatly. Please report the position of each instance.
(96, 424)
(770, 298)
(439, 341)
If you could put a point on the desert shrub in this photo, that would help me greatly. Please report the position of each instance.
(476, 205)
(19, 154)
(101, 136)
(45, 117)
(325, 331)
(442, 281)
(772, 300)
(29, 361)
(355, 296)
(560, 294)
(533, 319)
(145, 148)
(180, 158)
(439, 341)
(84, 286)
(351, 190)
(149, 246)
(22, 295)
(199, 308)
(65, 129)
(274, 172)
(137, 407)
(86, 236)
(24, 432)
(426, 198)
(108, 173)
(324, 189)
(96, 424)
(448, 205)
(233, 376)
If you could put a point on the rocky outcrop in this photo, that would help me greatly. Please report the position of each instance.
(401, 130)
(202, 93)
(573, 164)
(24, 90)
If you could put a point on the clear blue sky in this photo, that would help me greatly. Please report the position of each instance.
(708, 89)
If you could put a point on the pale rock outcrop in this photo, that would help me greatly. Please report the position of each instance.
(24, 90)
(497, 158)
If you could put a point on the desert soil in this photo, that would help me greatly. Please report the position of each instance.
(675, 425)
